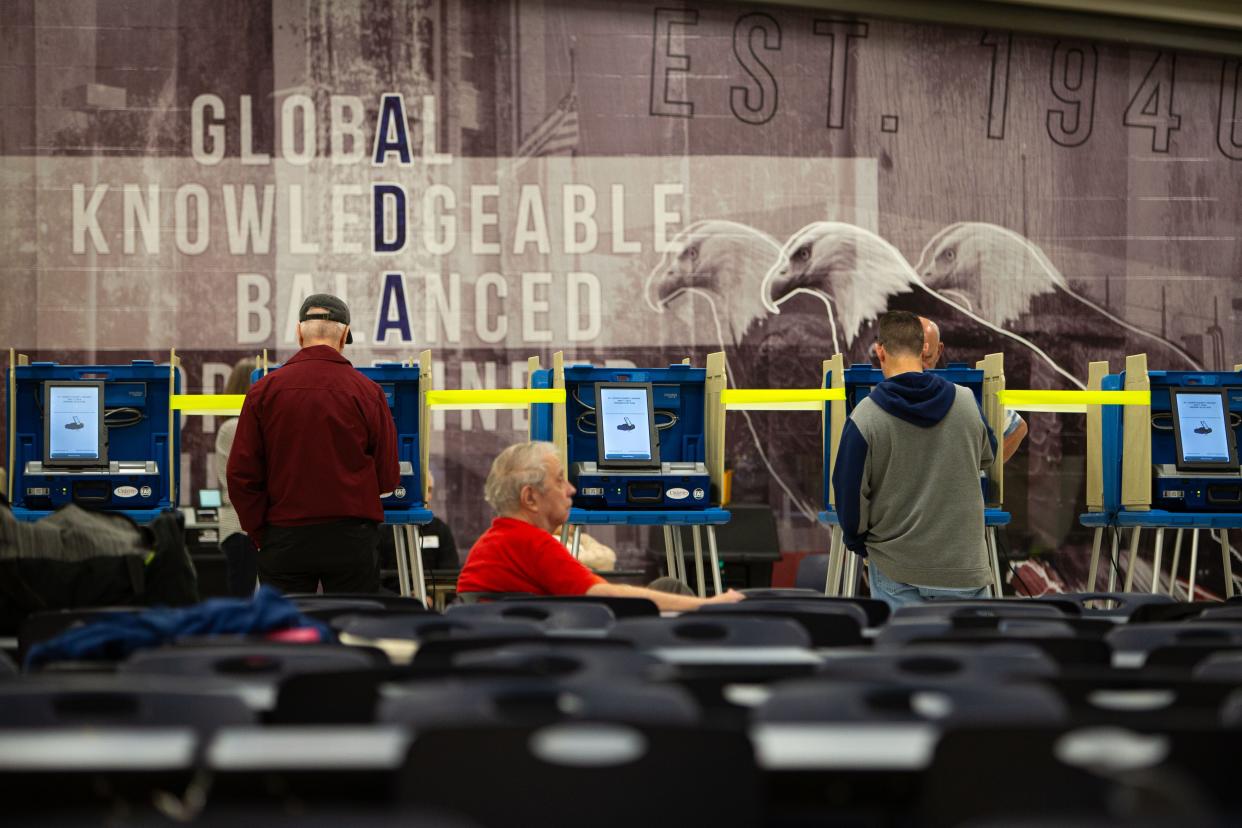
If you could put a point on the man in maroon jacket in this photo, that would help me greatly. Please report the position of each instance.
(315, 448)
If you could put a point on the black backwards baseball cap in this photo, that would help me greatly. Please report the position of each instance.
(334, 310)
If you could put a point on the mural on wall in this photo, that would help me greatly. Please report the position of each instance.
(630, 183)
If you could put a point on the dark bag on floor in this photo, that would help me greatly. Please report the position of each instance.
(80, 558)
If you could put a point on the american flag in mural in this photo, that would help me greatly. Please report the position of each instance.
(557, 134)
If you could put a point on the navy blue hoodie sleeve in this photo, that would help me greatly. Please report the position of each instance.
(847, 486)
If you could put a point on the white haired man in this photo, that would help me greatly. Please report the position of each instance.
(315, 446)
(531, 496)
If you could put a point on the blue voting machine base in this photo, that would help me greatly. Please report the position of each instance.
(101, 436)
(1183, 497)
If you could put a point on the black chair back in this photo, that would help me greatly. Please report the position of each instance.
(442, 703)
(573, 661)
(443, 653)
(944, 664)
(1057, 638)
(1220, 666)
(984, 610)
(711, 630)
(250, 661)
(827, 700)
(607, 775)
(426, 626)
(622, 607)
(108, 700)
(549, 616)
(828, 625)
(877, 611)
(1144, 700)
(812, 574)
(1091, 774)
(1115, 605)
(360, 600)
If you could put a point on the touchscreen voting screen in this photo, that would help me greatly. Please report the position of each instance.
(625, 425)
(73, 426)
(1202, 431)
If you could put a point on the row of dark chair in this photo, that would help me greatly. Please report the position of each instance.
(787, 708)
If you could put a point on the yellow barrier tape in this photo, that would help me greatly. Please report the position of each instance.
(489, 398)
(1070, 402)
(201, 405)
(779, 399)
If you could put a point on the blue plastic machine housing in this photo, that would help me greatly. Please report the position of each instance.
(400, 385)
(860, 378)
(678, 398)
(137, 478)
(1177, 490)
(541, 413)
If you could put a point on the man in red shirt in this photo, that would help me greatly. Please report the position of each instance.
(527, 489)
(314, 449)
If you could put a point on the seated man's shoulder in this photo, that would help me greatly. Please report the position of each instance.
(507, 532)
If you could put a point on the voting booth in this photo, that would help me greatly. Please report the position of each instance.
(1195, 419)
(636, 438)
(985, 381)
(102, 436)
(1171, 463)
(643, 447)
(405, 386)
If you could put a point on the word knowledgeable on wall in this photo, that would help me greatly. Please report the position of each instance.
(260, 219)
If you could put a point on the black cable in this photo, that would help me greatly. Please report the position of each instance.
(588, 418)
(673, 419)
(132, 416)
(1114, 563)
(579, 401)
(582, 418)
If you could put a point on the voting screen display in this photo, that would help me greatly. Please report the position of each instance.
(73, 424)
(1201, 427)
(625, 424)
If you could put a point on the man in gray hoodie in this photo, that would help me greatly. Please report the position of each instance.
(906, 480)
